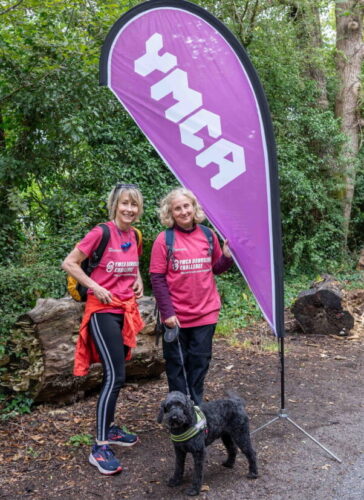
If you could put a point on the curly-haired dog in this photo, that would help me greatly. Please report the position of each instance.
(192, 431)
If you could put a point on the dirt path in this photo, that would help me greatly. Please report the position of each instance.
(324, 395)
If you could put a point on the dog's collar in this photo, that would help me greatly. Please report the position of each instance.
(199, 426)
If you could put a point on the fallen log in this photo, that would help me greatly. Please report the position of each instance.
(319, 310)
(42, 351)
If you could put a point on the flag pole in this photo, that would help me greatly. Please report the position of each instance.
(278, 270)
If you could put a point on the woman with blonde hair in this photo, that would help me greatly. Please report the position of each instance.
(111, 319)
(185, 290)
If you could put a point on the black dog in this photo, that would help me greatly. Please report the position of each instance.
(225, 419)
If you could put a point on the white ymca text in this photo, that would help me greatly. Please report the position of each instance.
(190, 101)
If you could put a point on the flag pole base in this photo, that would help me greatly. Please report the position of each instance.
(282, 414)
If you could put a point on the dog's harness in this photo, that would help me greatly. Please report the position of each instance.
(200, 425)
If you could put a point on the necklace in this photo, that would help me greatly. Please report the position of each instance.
(125, 245)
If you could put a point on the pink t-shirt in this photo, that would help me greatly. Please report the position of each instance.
(118, 268)
(189, 276)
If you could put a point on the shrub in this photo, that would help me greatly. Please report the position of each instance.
(20, 287)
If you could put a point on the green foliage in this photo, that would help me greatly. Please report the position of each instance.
(23, 286)
(239, 308)
(20, 288)
(32, 452)
(308, 137)
(308, 145)
(294, 284)
(64, 141)
(351, 279)
(14, 406)
(80, 440)
(357, 217)
(51, 116)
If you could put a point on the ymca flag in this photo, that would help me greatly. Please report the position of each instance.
(191, 88)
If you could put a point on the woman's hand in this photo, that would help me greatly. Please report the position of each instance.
(138, 287)
(102, 294)
(171, 322)
(72, 265)
(226, 249)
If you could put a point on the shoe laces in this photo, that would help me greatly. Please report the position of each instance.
(107, 451)
(116, 430)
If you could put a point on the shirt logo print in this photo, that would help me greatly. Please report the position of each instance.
(110, 267)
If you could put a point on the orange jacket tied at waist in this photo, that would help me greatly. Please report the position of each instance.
(86, 353)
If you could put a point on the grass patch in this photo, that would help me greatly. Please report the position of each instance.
(80, 440)
(351, 280)
(256, 342)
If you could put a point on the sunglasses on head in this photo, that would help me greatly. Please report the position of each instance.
(126, 186)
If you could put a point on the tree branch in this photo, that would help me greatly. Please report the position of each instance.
(11, 8)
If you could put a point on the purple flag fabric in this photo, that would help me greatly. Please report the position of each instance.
(192, 90)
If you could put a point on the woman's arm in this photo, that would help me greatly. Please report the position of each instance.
(224, 262)
(72, 265)
(138, 286)
(163, 298)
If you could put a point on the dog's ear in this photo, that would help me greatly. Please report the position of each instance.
(162, 410)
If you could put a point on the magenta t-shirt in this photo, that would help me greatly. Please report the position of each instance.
(190, 279)
(117, 270)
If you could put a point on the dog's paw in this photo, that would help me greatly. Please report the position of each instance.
(172, 482)
(192, 491)
(228, 463)
(252, 475)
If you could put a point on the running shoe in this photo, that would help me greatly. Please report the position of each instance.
(121, 436)
(104, 459)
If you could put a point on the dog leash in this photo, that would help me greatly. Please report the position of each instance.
(158, 329)
(183, 367)
(172, 335)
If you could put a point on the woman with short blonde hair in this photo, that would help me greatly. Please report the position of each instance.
(117, 191)
(111, 318)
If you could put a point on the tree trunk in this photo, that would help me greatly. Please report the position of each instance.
(307, 16)
(350, 55)
(319, 310)
(43, 351)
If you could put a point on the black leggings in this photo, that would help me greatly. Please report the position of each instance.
(196, 346)
(105, 329)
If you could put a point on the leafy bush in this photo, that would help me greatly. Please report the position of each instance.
(356, 235)
(239, 308)
(14, 406)
(20, 287)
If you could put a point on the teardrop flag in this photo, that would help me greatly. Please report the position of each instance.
(191, 88)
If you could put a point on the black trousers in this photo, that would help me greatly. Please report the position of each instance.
(105, 329)
(196, 346)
